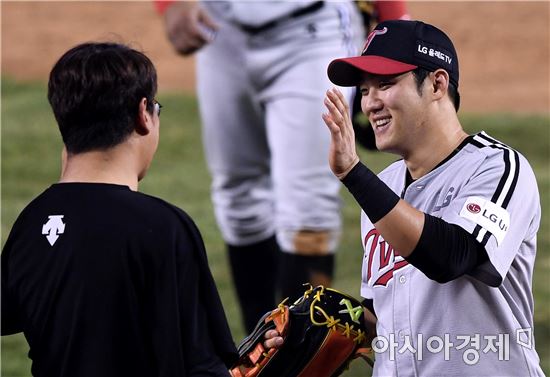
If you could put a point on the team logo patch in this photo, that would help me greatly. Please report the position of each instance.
(446, 201)
(487, 215)
(382, 260)
(473, 207)
(371, 36)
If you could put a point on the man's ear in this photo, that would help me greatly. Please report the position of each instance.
(440, 83)
(144, 119)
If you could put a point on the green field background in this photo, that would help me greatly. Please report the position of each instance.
(30, 162)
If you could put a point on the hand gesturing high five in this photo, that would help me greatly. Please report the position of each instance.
(342, 154)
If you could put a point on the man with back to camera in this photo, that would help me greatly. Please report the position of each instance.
(449, 231)
(101, 279)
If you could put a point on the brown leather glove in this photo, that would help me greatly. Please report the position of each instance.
(323, 331)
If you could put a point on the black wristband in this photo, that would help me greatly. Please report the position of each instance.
(374, 197)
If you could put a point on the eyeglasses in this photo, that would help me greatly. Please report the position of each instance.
(158, 106)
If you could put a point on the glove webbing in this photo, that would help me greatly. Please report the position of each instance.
(261, 328)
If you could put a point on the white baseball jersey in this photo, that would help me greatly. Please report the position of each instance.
(261, 99)
(257, 13)
(480, 324)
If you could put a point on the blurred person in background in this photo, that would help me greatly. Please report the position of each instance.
(261, 77)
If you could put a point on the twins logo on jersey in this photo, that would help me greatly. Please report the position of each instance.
(383, 260)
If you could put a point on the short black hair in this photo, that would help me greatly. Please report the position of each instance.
(420, 75)
(94, 91)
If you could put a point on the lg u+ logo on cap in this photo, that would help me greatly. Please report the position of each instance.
(434, 53)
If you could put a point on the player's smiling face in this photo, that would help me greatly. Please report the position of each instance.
(395, 110)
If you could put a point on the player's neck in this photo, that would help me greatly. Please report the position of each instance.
(115, 166)
(436, 147)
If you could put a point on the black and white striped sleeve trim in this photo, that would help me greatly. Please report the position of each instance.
(507, 183)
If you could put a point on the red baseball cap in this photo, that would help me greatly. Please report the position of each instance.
(395, 47)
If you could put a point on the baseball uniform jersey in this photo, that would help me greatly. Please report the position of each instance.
(478, 324)
(261, 100)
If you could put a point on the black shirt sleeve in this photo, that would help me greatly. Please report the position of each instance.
(208, 301)
(200, 355)
(11, 319)
(446, 251)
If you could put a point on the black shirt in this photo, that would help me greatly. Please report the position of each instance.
(104, 281)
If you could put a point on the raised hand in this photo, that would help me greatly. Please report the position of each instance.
(342, 153)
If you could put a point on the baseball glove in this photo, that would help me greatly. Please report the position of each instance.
(322, 331)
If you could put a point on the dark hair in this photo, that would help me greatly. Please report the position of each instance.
(420, 75)
(94, 91)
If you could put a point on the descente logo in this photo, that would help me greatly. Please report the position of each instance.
(434, 53)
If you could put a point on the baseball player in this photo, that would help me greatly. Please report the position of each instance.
(272, 189)
(449, 231)
(103, 280)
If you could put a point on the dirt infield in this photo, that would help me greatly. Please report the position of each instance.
(503, 46)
